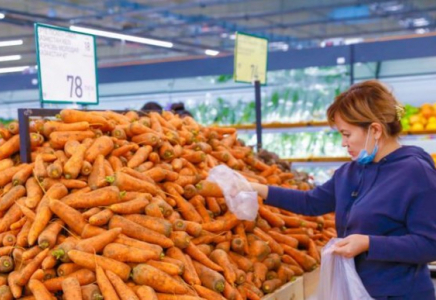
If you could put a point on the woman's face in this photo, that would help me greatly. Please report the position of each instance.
(354, 137)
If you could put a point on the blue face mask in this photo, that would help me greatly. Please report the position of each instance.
(364, 158)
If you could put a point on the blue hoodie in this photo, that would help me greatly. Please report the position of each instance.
(394, 202)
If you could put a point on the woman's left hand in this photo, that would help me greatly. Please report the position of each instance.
(352, 245)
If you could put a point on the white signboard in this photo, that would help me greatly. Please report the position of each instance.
(67, 66)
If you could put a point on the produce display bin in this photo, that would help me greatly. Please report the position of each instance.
(291, 291)
(310, 284)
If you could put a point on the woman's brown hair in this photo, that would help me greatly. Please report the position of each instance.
(365, 103)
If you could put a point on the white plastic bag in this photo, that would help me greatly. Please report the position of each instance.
(338, 277)
(240, 196)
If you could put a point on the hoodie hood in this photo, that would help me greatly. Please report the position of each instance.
(406, 152)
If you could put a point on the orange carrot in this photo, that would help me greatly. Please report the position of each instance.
(122, 239)
(139, 232)
(101, 197)
(66, 269)
(71, 289)
(126, 182)
(96, 243)
(72, 116)
(74, 165)
(187, 210)
(84, 276)
(101, 218)
(169, 268)
(48, 236)
(207, 293)
(285, 239)
(148, 138)
(91, 292)
(130, 207)
(240, 232)
(195, 253)
(224, 223)
(58, 139)
(220, 258)
(69, 215)
(160, 281)
(55, 170)
(39, 291)
(11, 146)
(275, 246)
(31, 267)
(22, 175)
(8, 199)
(122, 289)
(189, 274)
(107, 290)
(147, 293)
(305, 261)
(272, 218)
(180, 239)
(159, 225)
(101, 146)
(6, 264)
(125, 253)
(140, 156)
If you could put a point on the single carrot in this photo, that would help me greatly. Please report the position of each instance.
(305, 261)
(275, 246)
(207, 293)
(130, 254)
(122, 150)
(180, 239)
(31, 267)
(11, 146)
(101, 146)
(209, 189)
(139, 232)
(6, 264)
(169, 268)
(48, 236)
(39, 291)
(9, 239)
(89, 261)
(84, 276)
(123, 290)
(71, 289)
(159, 225)
(22, 175)
(189, 274)
(74, 164)
(140, 156)
(124, 240)
(72, 116)
(115, 163)
(69, 215)
(55, 170)
(186, 209)
(224, 223)
(240, 232)
(101, 197)
(9, 198)
(91, 292)
(58, 139)
(61, 251)
(195, 253)
(313, 251)
(126, 182)
(147, 293)
(160, 281)
(284, 239)
(270, 217)
(66, 269)
(101, 218)
(221, 258)
(136, 205)
(96, 243)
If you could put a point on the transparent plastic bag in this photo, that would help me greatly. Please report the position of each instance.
(338, 277)
(240, 196)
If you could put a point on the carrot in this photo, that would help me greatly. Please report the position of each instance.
(66, 269)
(122, 289)
(238, 245)
(5, 293)
(128, 183)
(101, 197)
(6, 264)
(72, 116)
(169, 268)
(96, 243)
(39, 291)
(91, 292)
(159, 225)
(187, 210)
(136, 231)
(101, 146)
(74, 164)
(58, 139)
(8, 199)
(313, 251)
(284, 274)
(240, 232)
(120, 151)
(84, 276)
(48, 236)
(71, 289)
(207, 293)
(145, 166)
(225, 246)
(61, 156)
(131, 207)
(115, 163)
(11, 146)
(195, 156)
(61, 251)
(147, 293)
(275, 246)
(22, 175)
(9, 239)
(230, 292)
(31, 267)
(90, 212)
(89, 261)
(157, 174)
(180, 239)
(226, 222)
(22, 235)
(70, 147)
(137, 174)
(284, 239)
(51, 126)
(270, 286)
(195, 253)
(107, 290)
(140, 244)
(160, 281)
(242, 262)
(305, 261)
(270, 217)
(101, 218)
(123, 253)
(55, 170)
(189, 273)
(192, 228)
(208, 189)
(189, 191)
(184, 180)
(221, 258)
(16, 289)
(147, 138)
(5, 134)
(69, 215)
(140, 156)
(6, 164)
(119, 132)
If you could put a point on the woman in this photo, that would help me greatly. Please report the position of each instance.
(384, 200)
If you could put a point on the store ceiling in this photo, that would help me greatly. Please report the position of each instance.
(193, 26)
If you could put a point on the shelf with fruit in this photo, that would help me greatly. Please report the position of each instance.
(420, 120)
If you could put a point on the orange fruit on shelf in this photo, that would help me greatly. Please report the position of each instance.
(414, 119)
(417, 127)
(427, 112)
(430, 126)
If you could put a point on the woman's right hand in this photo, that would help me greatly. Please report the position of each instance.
(261, 189)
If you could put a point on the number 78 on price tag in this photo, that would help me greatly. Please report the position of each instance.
(67, 65)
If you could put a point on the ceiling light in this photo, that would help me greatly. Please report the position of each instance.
(421, 30)
(232, 36)
(211, 52)
(13, 69)
(10, 57)
(11, 43)
(124, 37)
(2, 16)
(353, 41)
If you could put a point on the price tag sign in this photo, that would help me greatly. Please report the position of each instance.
(67, 65)
(251, 56)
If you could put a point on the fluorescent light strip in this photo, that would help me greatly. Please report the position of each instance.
(2, 16)
(11, 43)
(13, 69)
(211, 52)
(124, 37)
(10, 57)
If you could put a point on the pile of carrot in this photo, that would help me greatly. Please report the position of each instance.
(117, 206)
